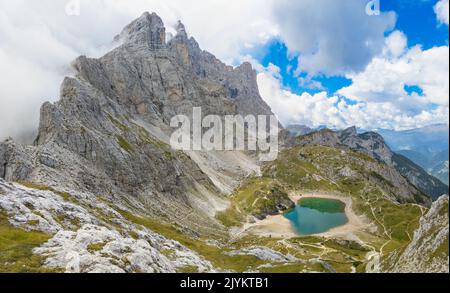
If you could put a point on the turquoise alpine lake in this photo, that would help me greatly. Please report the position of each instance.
(317, 215)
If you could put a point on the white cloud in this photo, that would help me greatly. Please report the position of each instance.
(442, 11)
(332, 37)
(304, 109)
(337, 112)
(396, 44)
(385, 78)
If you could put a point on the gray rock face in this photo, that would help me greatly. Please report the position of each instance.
(369, 142)
(148, 30)
(428, 251)
(324, 137)
(15, 161)
(427, 183)
(109, 132)
(72, 251)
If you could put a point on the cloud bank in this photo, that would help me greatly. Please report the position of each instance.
(331, 37)
(378, 97)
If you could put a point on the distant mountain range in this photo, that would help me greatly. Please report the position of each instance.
(374, 145)
(297, 130)
(428, 147)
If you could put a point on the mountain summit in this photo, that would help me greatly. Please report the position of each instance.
(147, 30)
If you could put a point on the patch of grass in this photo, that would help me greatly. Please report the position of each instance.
(75, 222)
(442, 250)
(118, 124)
(65, 195)
(60, 219)
(350, 248)
(133, 234)
(36, 186)
(124, 144)
(351, 186)
(169, 253)
(93, 247)
(323, 205)
(290, 168)
(400, 220)
(29, 206)
(168, 155)
(33, 222)
(230, 217)
(16, 246)
(188, 270)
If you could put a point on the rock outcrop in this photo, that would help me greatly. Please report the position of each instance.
(428, 251)
(88, 236)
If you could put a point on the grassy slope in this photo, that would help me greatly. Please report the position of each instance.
(256, 196)
(16, 246)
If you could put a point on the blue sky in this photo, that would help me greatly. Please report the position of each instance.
(417, 19)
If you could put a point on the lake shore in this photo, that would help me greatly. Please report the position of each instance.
(280, 227)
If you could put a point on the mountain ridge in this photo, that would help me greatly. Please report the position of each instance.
(374, 144)
(109, 194)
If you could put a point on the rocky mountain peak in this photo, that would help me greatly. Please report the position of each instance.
(181, 30)
(349, 132)
(148, 29)
(247, 70)
(109, 132)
